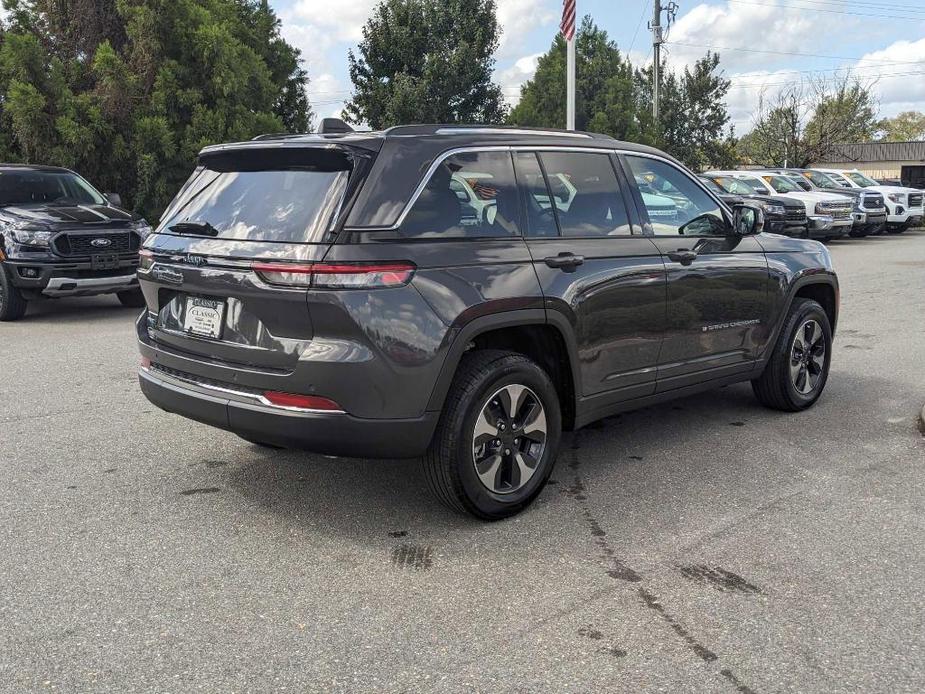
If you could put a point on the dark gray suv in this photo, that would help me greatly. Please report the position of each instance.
(463, 295)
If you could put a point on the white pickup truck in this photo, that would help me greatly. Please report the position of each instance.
(828, 214)
(904, 205)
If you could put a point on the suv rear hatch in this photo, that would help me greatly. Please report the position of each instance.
(246, 204)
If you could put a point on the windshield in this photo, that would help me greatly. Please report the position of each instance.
(781, 184)
(737, 186)
(821, 180)
(30, 187)
(860, 179)
(711, 185)
(288, 205)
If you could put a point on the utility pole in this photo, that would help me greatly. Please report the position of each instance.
(659, 34)
(656, 27)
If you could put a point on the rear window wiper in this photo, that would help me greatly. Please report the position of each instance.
(194, 229)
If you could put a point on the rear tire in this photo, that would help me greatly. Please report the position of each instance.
(797, 372)
(12, 304)
(133, 298)
(498, 437)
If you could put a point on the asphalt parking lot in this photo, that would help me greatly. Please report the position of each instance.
(703, 545)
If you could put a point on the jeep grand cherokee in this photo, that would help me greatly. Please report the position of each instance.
(344, 293)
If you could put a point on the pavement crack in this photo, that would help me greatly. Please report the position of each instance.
(617, 569)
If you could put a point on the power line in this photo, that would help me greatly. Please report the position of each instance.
(849, 68)
(645, 8)
(790, 53)
(817, 9)
(796, 82)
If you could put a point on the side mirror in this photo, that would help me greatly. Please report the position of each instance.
(747, 219)
(114, 199)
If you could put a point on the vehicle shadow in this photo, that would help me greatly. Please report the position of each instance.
(76, 310)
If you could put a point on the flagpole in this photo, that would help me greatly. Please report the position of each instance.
(570, 85)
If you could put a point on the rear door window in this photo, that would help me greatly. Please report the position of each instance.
(290, 205)
(469, 194)
(585, 194)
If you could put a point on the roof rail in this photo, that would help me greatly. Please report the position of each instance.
(455, 130)
(276, 136)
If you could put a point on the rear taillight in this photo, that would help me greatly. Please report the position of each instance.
(145, 259)
(302, 402)
(336, 275)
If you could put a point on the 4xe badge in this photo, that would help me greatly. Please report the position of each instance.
(165, 274)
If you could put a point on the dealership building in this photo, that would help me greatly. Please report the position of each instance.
(899, 161)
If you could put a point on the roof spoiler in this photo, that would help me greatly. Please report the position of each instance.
(333, 125)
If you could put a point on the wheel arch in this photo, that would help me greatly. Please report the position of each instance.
(543, 338)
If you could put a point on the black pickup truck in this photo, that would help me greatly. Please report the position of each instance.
(60, 237)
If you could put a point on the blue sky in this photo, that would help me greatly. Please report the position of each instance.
(882, 42)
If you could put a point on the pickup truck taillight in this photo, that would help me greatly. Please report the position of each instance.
(336, 275)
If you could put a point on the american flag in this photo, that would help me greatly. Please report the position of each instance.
(567, 25)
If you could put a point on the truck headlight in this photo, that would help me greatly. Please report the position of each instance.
(32, 237)
(771, 208)
(142, 228)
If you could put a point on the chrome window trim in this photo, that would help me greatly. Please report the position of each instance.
(443, 156)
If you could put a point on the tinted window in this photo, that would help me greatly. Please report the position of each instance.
(25, 187)
(586, 194)
(781, 184)
(675, 202)
(541, 219)
(469, 194)
(290, 205)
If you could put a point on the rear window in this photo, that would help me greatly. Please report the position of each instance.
(289, 205)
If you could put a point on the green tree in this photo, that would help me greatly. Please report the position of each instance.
(128, 91)
(904, 127)
(614, 98)
(604, 95)
(426, 61)
(801, 125)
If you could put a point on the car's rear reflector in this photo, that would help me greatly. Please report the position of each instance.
(336, 275)
(302, 402)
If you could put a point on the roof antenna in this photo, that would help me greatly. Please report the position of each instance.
(333, 125)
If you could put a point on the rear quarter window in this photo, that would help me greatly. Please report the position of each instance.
(471, 195)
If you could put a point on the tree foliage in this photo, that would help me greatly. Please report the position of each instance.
(904, 127)
(128, 91)
(426, 61)
(801, 125)
(614, 98)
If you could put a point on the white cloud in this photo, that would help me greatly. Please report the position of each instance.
(343, 20)
(513, 77)
(517, 18)
(896, 73)
(776, 27)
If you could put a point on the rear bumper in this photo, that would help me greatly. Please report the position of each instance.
(329, 433)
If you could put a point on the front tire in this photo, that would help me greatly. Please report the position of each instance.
(498, 437)
(797, 372)
(133, 298)
(12, 304)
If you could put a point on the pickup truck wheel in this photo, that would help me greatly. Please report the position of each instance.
(796, 374)
(12, 304)
(133, 298)
(498, 436)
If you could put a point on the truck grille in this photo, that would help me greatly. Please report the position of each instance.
(915, 199)
(82, 244)
(873, 202)
(796, 215)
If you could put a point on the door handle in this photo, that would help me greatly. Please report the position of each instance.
(567, 262)
(683, 256)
